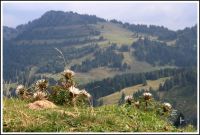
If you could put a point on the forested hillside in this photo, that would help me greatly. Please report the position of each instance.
(93, 42)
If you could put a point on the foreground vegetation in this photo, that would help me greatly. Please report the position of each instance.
(17, 117)
(65, 109)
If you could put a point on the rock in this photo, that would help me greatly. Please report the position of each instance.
(41, 104)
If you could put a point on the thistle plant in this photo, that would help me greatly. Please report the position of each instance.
(76, 93)
(41, 85)
(166, 107)
(40, 90)
(137, 104)
(147, 96)
(22, 92)
(66, 93)
(68, 82)
(39, 95)
(128, 99)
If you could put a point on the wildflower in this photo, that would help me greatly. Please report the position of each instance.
(20, 90)
(147, 95)
(68, 73)
(41, 84)
(74, 90)
(128, 99)
(167, 107)
(39, 95)
(137, 104)
(84, 92)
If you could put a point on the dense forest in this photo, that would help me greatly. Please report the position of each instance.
(158, 53)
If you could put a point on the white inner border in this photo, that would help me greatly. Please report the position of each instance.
(100, 2)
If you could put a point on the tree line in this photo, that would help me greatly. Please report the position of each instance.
(110, 85)
(103, 57)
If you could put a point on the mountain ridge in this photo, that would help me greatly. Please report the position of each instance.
(77, 18)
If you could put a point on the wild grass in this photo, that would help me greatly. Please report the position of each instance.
(61, 55)
(18, 118)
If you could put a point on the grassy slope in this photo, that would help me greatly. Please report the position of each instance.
(18, 118)
(114, 98)
(115, 33)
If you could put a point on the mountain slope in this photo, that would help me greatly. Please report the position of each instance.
(75, 35)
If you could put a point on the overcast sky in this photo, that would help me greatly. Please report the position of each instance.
(174, 15)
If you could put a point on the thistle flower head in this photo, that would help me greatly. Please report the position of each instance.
(147, 95)
(74, 90)
(137, 104)
(39, 95)
(41, 84)
(127, 98)
(167, 107)
(84, 92)
(68, 73)
(20, 90)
